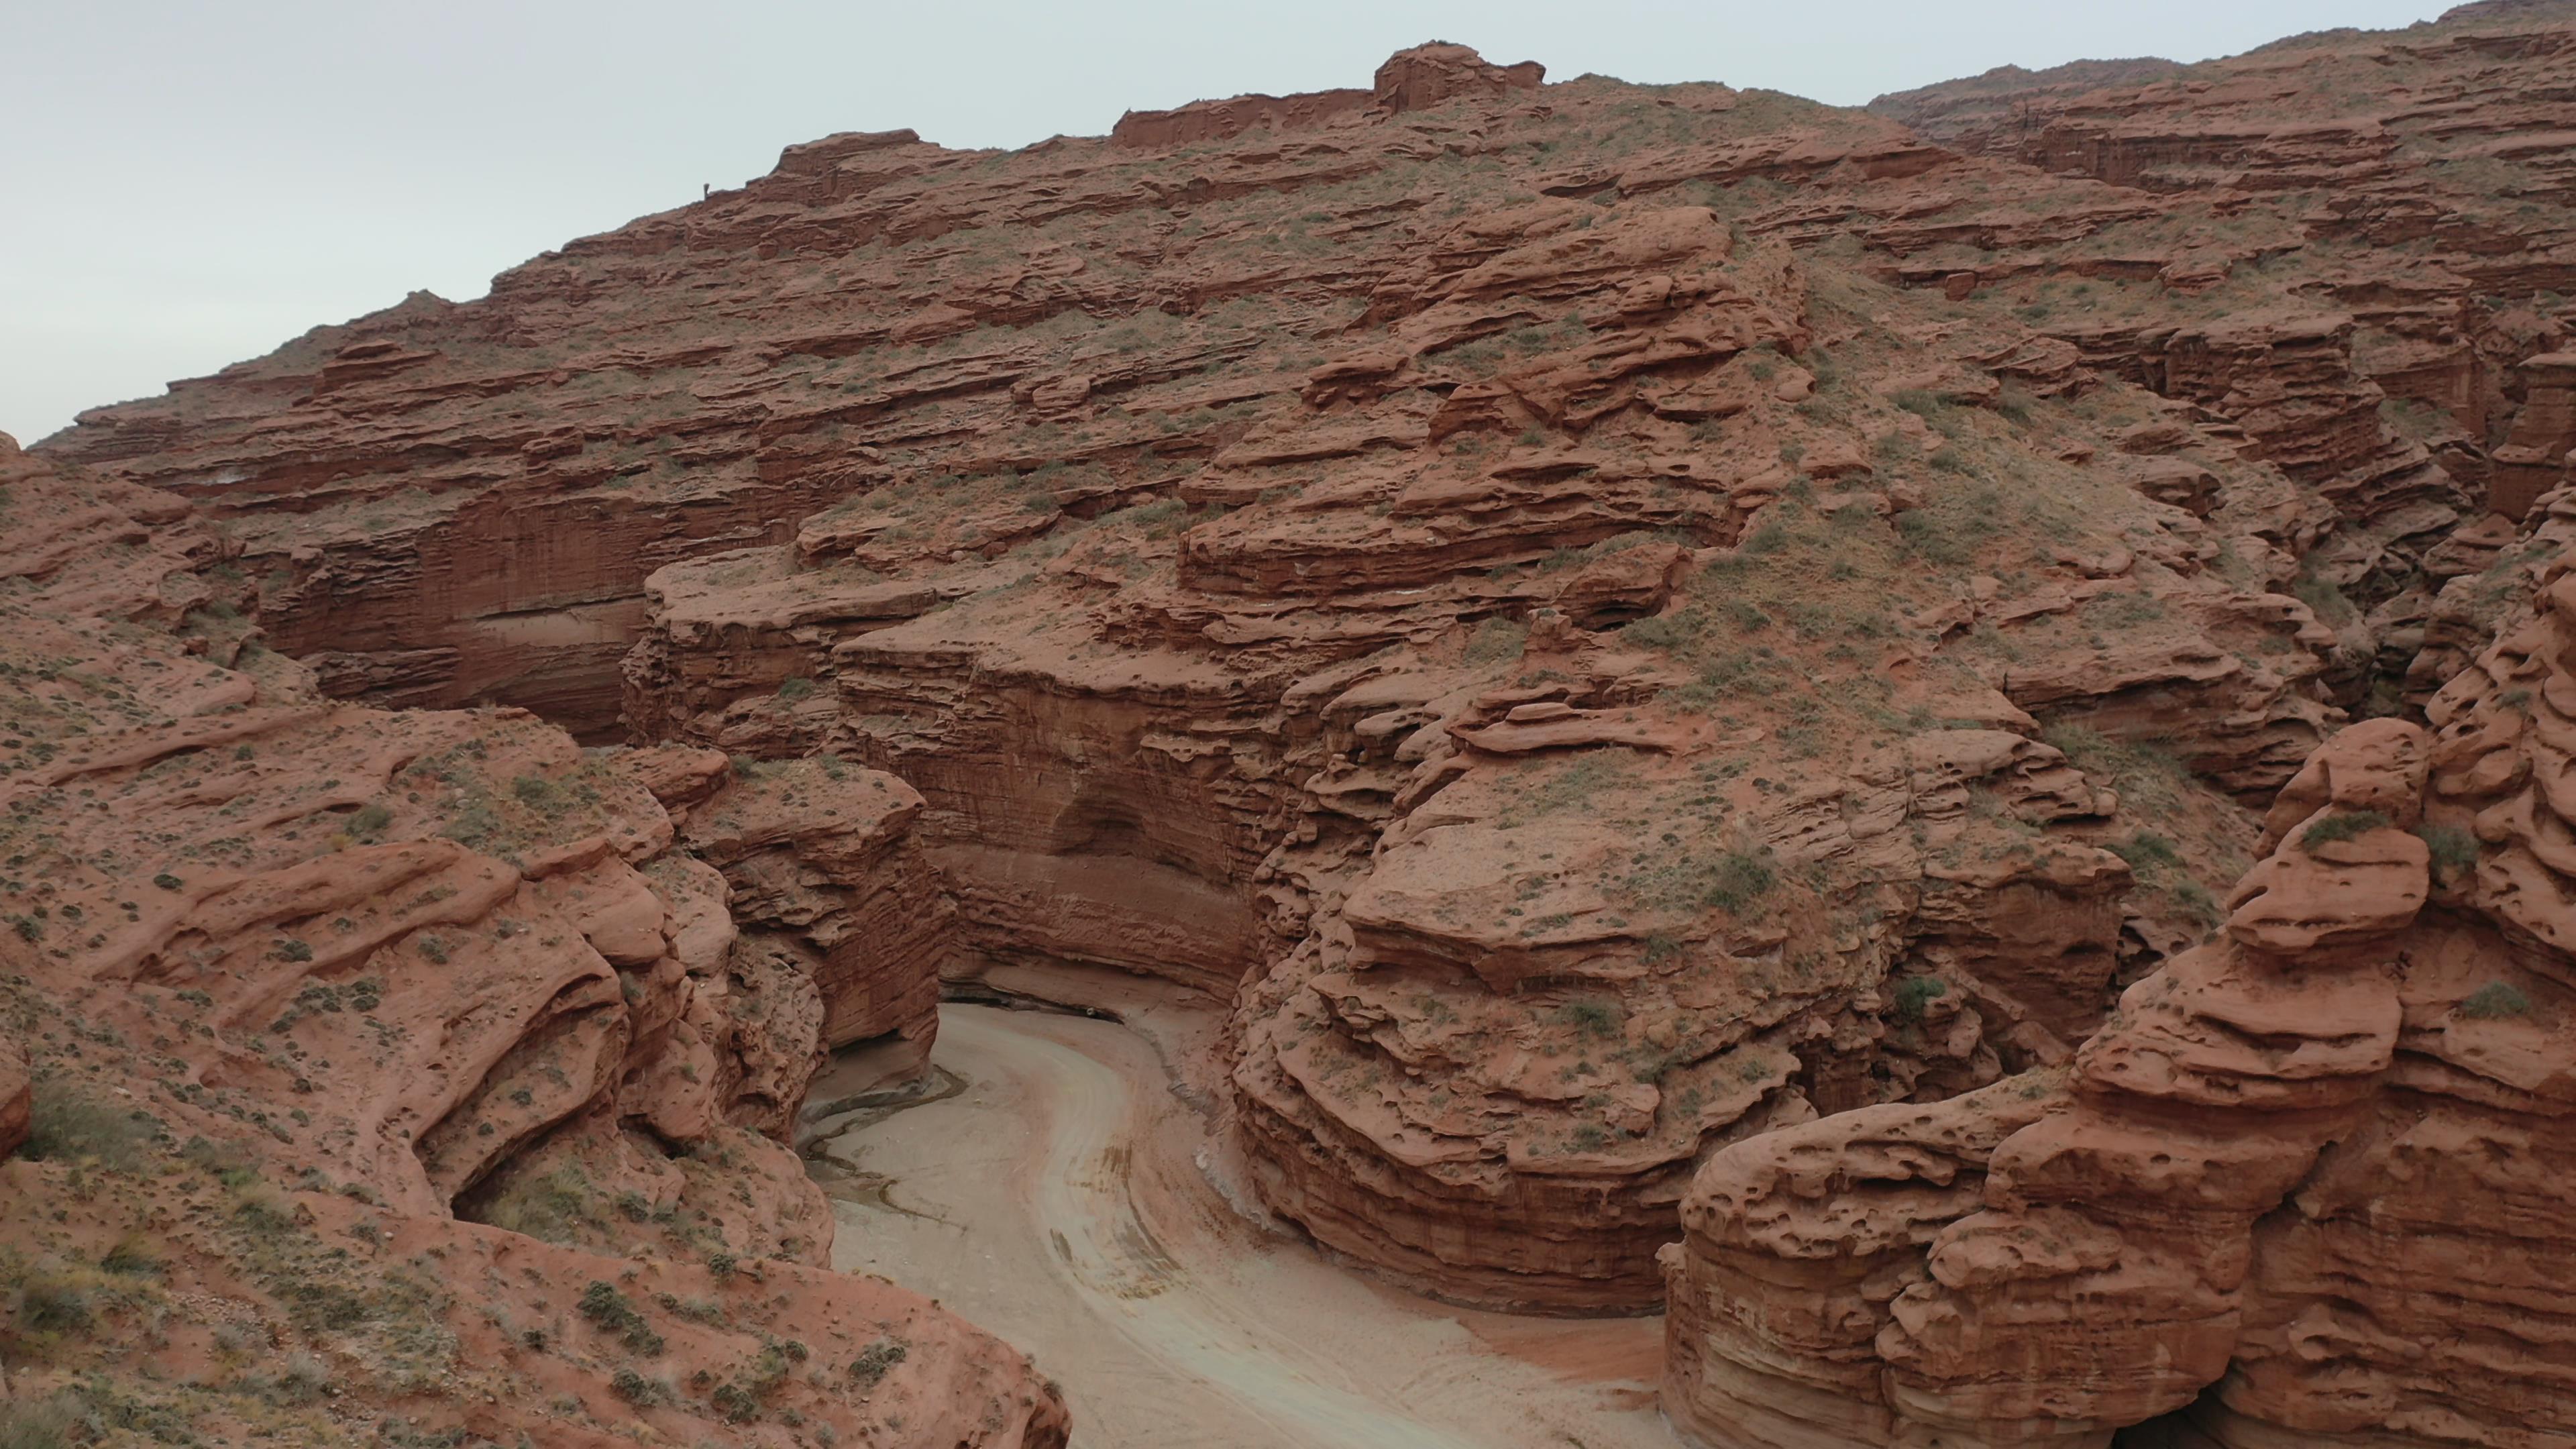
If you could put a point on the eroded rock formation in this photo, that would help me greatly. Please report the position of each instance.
(2300, 1188)
(297, 975)
(1266, 732)
(1612, 628)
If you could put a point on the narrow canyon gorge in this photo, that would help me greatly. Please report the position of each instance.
(1478, 761)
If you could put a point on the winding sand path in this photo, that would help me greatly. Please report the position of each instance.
(1059, 1200)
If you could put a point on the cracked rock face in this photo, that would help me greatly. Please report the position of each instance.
(2297, 1188)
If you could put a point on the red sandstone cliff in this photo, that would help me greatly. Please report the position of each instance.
(1617, 629)
(2300, 1188)
(310, 994)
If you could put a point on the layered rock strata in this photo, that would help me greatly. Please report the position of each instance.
(2296, 1189)
(2420, 169)
(1342, 744)
(1604, 622)
(293, 972)
(445, 504)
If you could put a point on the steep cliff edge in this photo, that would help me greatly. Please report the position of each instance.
(2300, 1188)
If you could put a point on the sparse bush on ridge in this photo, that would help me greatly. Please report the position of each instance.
(72, 1125)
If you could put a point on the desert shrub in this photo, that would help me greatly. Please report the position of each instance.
(1576, 784)
(875, 1361)
(1914, 993)
(613, 1312)
(2147, 775)
(1738, 879)
(132, 1257)
(47, 1424)
(301, 1380)
(2342, 825)
(2454, 850)
(263, 1210)
(1496, 641)
(2494, 1000)
(1926, 538)
(557, 1206)
(638, 1390)
(739, 1404)
(2125, 610)
(2147, 851)
(50, 1304)
(2325, 600)
(1730, 880)
(1599, 1018)
(72, 1126)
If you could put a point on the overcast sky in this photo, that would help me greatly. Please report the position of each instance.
(183, 185)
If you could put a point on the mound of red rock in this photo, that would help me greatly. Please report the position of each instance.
(2300, 1188)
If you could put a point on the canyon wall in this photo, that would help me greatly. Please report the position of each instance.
(1344, 748)
(1612, 627)
(2299, 1188)
(304, 995)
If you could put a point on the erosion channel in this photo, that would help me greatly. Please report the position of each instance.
(1057, 1188)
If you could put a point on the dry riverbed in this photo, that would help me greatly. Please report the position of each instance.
(1054, 1188)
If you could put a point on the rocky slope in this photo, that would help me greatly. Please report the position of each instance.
(309, 1002)
(2301, 1188)
(1615, 627)
(2411, 182)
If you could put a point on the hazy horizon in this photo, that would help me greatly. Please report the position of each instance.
(192, 187)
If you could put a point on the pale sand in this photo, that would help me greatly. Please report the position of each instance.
(1059, 1200)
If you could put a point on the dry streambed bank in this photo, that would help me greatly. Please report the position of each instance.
(1059, 1199)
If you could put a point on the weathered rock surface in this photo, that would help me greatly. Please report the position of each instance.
(1265, 732)
(2295, 1190)
(289, 968)
(1604, 623)
(448, 504)
(825, 874)
(2408, 162)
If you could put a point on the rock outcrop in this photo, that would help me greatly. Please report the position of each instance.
(301, 972)
(2298, 1189)
(1418, 79)
(447, 504)
(1609, 627)
(2406, 160)
(1285, 739)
